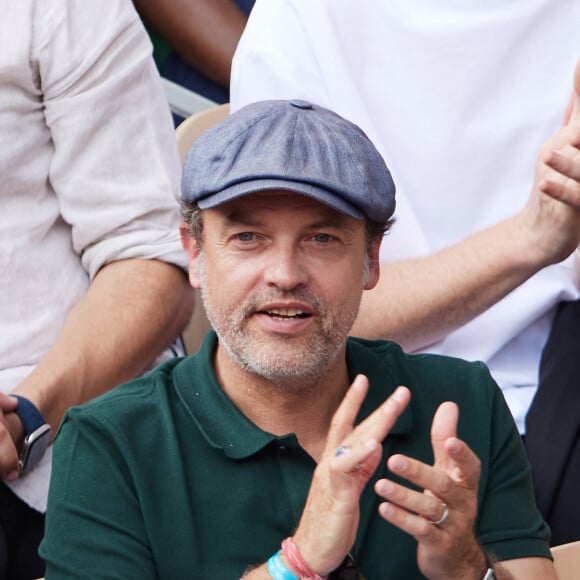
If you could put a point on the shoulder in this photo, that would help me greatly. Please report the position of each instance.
(430, 371)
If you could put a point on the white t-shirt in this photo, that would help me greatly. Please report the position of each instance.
(89, 170)
(457, 96)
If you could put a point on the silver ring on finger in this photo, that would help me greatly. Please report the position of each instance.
(443, 515)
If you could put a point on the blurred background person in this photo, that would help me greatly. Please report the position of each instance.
(93, 289)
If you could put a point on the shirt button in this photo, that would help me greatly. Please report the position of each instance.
(282, 449)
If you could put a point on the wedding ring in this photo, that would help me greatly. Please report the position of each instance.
(443, 515)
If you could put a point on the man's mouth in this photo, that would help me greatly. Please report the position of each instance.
(286, 313)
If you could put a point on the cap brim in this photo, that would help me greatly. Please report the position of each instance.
(317, 193)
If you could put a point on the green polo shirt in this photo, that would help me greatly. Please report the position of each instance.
(163, 477)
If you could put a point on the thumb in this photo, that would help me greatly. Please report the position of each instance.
(444, 426)
(7, 403)
(572, 116)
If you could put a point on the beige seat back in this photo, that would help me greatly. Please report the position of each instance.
(567, 560)
(186, 133)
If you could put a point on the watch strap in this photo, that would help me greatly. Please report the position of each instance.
(29, 415)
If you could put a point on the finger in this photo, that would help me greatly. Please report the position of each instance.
(7, 403)
(455, 485)
(417, 526)
(566, 161)
(359, 460)
(378, 424)
(573, 116)
(568, 191)
(375, 427)
(443, 427)
(343, 420)
(467, 465)
(8, 456)
(422, 504)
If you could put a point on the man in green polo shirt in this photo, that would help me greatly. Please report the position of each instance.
(282, 449)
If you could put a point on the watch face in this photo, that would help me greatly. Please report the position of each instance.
(34, 448)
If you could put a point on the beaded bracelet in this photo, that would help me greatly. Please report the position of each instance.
(297, 561)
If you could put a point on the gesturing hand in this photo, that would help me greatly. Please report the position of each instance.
(8, 452)
(552, 213)
(442, 517)
(330, 519)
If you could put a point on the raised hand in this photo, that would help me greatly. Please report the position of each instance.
(330, 519)
(442, 517)
(552, 214)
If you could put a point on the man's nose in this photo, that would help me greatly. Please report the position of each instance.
(286, 269)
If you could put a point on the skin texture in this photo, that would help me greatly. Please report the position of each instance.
(467, 278)
(276, 250)
(204, 32)
(81, 364)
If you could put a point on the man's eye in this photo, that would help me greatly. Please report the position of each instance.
(322, 238)
(245, 236)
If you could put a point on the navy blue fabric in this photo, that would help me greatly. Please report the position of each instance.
(553, 428)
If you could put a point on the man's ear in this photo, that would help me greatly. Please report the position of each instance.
(374, 267)
(192, 250)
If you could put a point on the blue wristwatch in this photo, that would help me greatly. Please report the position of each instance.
(37, 435)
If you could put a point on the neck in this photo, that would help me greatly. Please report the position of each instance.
(303, 407)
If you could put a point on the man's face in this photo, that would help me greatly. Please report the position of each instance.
(281, 278)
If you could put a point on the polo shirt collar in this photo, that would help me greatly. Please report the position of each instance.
(225, 427)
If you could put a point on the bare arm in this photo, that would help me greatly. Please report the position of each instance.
(526, 568)
(204, 32)
(131, 312)
(429, 297)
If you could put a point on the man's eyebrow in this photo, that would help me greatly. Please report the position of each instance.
(236, 217)
(334, 220)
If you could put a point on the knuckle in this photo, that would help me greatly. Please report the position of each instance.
(445, 487)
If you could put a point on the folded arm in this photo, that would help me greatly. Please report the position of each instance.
(131, 312)
(418, 302)
(204, 32)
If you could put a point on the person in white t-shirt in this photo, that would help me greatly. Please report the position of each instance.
(93, 288)
(458, 98)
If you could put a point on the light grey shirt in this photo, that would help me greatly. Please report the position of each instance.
(89, 170)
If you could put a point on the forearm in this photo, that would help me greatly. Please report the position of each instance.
(418, 302)
(131, 312)
(204, 32)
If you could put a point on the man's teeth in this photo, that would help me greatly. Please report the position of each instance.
(286, 312)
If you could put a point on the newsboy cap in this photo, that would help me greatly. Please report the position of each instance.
(293, 146)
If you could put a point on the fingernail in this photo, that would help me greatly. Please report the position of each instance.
(398, 464)
(13, 475)
(386, 487)
(402, 393)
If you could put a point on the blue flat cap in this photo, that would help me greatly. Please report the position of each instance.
(293, 146)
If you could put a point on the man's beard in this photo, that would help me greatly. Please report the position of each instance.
(286, 360)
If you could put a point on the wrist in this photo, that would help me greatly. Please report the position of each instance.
(32, 436)
(295, 561)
